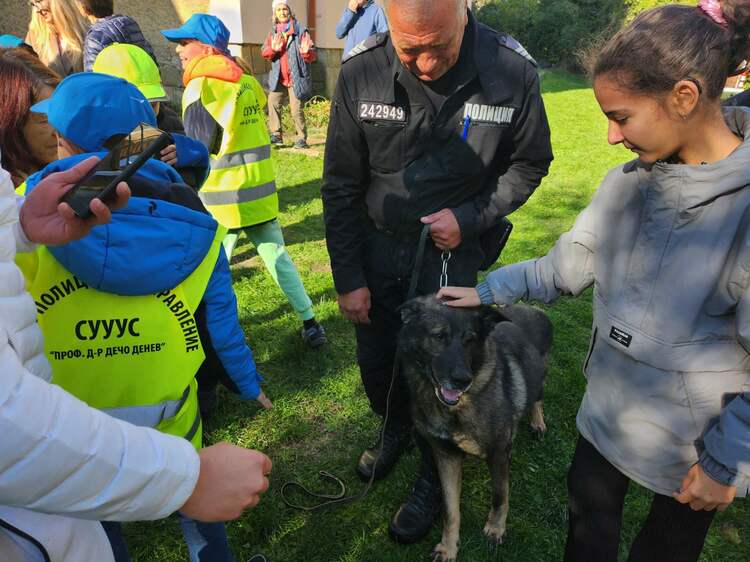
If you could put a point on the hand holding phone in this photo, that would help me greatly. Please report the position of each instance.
(45, 220)
(101, 183)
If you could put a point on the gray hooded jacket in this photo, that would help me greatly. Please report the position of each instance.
(668, 370)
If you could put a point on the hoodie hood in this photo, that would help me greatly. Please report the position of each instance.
(705, 182)
(212, 66)
(151, 245)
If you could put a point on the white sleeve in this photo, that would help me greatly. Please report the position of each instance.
(57, 455)
(22, 242)
(6, 189)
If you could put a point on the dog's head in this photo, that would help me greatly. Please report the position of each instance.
(446, 343)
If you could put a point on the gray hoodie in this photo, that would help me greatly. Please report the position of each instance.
(668, 370)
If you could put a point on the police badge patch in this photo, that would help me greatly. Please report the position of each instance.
(374, 111)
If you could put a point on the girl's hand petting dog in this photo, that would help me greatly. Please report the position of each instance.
(703, 492)
(461, 297)
(264, 401)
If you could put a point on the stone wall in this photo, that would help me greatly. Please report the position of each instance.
(154, 15)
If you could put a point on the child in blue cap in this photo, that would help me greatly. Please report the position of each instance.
(223, 108)
(145, 302)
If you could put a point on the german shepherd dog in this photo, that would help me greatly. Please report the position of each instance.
(472, 374)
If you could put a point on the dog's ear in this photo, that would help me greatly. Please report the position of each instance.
(410, 310)
(489, 317)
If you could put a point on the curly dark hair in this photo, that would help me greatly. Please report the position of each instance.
(98, 8)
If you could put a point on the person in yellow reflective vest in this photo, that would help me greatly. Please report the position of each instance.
(132, 313)
(223, 108)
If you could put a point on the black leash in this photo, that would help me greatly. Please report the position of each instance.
(341, 497)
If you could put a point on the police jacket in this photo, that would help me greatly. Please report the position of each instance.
(392, 159)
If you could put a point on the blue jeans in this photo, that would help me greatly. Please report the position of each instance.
(206, 542)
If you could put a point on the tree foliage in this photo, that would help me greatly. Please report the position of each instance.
(556, 31)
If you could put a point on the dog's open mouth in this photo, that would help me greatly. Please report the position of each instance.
(447, 396)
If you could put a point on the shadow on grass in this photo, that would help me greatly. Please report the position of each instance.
(298, 194)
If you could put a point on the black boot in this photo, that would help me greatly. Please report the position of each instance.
(382, 457)
(418, 513)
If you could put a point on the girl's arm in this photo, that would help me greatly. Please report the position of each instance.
(567, 269)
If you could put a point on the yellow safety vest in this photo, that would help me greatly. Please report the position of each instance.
(133, 357)
(241, 188)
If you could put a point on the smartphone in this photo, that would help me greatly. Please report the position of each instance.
(102, 181)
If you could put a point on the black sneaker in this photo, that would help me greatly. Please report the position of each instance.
(314, 336)
(418, 513)
(277, 139)
(301, 143)
(383, 455)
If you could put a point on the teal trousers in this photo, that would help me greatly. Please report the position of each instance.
(269, 242)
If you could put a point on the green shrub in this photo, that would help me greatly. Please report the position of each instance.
(554, 31)
(316, 111)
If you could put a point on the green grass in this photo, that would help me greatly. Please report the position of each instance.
(321, 419)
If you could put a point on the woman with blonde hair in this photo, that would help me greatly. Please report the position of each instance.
(57, 31)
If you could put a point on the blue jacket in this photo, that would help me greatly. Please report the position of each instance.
(152, 245)
(112, 29)
(357, 27)
(301, 72)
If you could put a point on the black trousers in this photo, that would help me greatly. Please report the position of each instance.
(672, 531)
(389, 267)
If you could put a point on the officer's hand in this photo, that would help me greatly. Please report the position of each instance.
(444, 229)
(231, 479)
(46, 220)
(355, 306)
(703, 492)
(169, 155)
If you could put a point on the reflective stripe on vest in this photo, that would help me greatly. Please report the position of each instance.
(133, 357)
(213, 198)
(242, 157)
(240, 189)
(149, 416)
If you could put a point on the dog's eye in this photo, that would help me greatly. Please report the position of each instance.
(439, 336)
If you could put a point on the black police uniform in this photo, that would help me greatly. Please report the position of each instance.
(476, 141)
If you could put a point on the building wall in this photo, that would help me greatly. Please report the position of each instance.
(249, 22)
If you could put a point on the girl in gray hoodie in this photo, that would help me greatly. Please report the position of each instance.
(665, 242)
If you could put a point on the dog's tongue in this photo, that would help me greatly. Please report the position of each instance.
(450, 395)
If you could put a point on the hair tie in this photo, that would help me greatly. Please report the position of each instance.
(712, 8)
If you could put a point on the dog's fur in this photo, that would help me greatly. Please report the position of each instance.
(472, 374)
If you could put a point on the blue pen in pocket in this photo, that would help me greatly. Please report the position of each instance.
(467, 124)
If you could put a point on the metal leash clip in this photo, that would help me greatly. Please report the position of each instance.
(445, 257)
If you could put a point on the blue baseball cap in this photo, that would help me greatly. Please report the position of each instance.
(204, 28)
(10, 41)
(90, 108)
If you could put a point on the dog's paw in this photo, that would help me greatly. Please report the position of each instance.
(538, 427)
(539, 431)
(443, 553)
(495, 533)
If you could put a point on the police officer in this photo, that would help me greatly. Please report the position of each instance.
(440, 122)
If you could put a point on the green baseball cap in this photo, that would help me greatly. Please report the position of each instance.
(135, 65)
